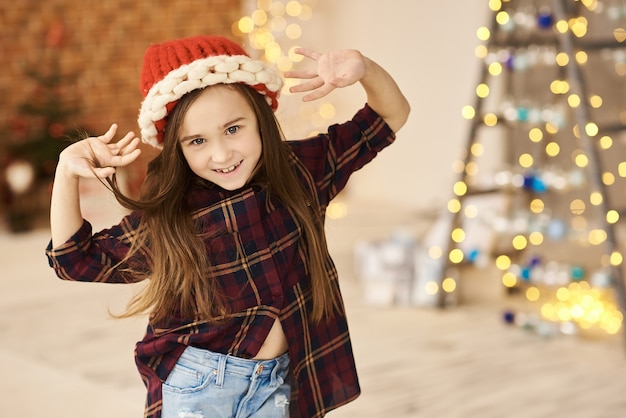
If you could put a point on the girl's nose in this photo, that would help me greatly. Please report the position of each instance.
(220, 152)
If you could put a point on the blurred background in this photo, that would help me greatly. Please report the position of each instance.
(480, 255)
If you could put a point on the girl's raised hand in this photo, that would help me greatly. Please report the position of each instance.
(334, 70)
(98, 156)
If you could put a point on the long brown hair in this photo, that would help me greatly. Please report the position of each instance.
(180, 282)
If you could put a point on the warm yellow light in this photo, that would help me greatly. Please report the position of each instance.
(459, 188)
(612, 216)
(559, 87)
(327, 111)
(561, 26)
(259, 17)
(621, 169)
(608, 178)
(577, 207)
(519, 242)
(596, 198)
(482, 90)
(581, 57)
(472, 168)
(503, 262)
(616, 259)
(551, 128)
(526, 160)
(483, 33)
(509, 279)
(563, 294)
(553, 149)
(595, 101)
(273, 51)
(581, 160)
(468, 112)
(579, 27)
(619, 34)
(490, 119)
(535, 238)
(597, 236)
(337, 210)
(502, 18)
(591, 129)
(606, 142)
(562, 59)
(477, 149)
(245, 25)
(495, 5)
(458, 235)
(448, 285)
(456, 256)
(454, 206)
(573, 100)
(535, 135)
(495, 69)
(536, 206)
(533, 294)
(293, 8)
(481, 51)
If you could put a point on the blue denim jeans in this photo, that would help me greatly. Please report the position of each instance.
(204, 384)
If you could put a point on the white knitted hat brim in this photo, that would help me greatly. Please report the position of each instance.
(226, 69)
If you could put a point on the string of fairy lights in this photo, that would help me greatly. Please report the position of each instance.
(567, 296)
(272, 29)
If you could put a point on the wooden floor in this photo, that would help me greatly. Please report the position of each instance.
(61, 356)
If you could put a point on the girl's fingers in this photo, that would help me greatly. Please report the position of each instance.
(108, 135)
(308, 85)
(320, 92)
(308, 53)
(302, 74)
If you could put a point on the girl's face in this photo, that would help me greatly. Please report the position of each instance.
(220, 138)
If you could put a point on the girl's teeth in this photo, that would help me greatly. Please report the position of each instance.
(229, 169)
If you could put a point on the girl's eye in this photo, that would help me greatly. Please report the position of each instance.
(232, 130)
(197, 141)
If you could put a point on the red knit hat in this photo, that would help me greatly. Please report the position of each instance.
(175, 68)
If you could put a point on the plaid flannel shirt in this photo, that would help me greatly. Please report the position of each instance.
(261, 268)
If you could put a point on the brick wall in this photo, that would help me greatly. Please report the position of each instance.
(103, 42)
(100, 44)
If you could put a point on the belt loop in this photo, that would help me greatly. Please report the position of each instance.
(221, 370)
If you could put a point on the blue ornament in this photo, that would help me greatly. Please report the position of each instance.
(472, 256)
(545, 20)
(522, 114)
(577, 273)
(525, 274)
(538, 185)
(509, 317)
(529, 179)
(535, 261)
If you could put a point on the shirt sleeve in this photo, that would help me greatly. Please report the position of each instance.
(332, 157)
(88, 257)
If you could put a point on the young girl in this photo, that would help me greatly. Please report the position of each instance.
(246, 317)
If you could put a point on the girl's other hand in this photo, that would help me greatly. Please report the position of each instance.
(334, 70)
(98, 157)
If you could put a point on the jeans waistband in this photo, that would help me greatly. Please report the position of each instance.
(240, 366)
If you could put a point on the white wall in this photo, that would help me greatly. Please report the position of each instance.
(428, 46)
